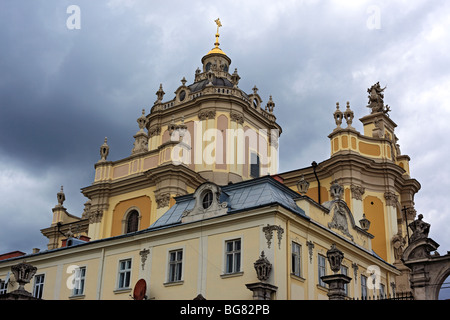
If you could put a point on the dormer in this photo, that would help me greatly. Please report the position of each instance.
(209, 202)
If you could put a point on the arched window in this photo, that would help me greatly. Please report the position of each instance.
(132, 221)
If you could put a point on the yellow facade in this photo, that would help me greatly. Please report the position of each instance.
(190, 166)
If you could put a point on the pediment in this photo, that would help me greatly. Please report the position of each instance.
(209, 202)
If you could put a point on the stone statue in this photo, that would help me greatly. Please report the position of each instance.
(420, 229)
(398, 243)
(376, 97)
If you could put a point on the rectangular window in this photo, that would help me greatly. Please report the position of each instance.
(175, 265)
(124, 274)
(322, 269)
(344, 271)
(363, 287)
(3, 287)
(233, 256)
(38, 286)
(296, 259)
(254, 165)
(79, 281)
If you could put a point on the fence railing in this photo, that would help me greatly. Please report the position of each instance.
(395, 296)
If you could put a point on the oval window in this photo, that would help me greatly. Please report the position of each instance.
(207, 199)
(255, 103)
(182, 95)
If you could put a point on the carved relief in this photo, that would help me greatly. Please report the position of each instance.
(357, 191)
(355, 271)
(154, 131)
(144, 254)
(207, 114)
(310, 245)
(162, 200)
(391, 198)
(268, 231)
(95, 216)
(339, 220)
(238, 117)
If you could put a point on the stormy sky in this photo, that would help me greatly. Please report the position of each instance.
(66, 83)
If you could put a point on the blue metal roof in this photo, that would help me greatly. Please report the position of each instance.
(240, 196)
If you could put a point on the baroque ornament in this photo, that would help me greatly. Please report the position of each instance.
(339, 220)
(391, 199)
(376, 96)
(268, 231)
(357, 191)
(162, 200)
(263, 267)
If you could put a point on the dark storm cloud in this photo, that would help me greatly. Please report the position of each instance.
(62, 91)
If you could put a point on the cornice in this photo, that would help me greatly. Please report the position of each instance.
(351, 162)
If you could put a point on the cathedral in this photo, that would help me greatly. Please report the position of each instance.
(199, 211)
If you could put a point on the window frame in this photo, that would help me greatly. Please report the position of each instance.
(321, 269)
(131, 212)
(175, 267)
(233, 257)
(124, 274)
(79, 278)
(344, 271)
(296, 259)
(3, 287)
(364, 292)
(38, 285)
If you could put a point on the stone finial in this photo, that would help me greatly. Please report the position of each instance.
(235, 78)
(270, 105)
(348, 115)
(104, 150)
(365, 223)
(142, 120)
(420, 229)
(23, 273)
(338, 116)
(302, 185)
(255, 90)
(141, 137)
(160, 94)
(335, 257)
(263, 267)
(336, 190)
(183, 81)
(61, 196)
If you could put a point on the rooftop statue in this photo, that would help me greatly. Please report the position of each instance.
(376, 97)
(420, 229)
